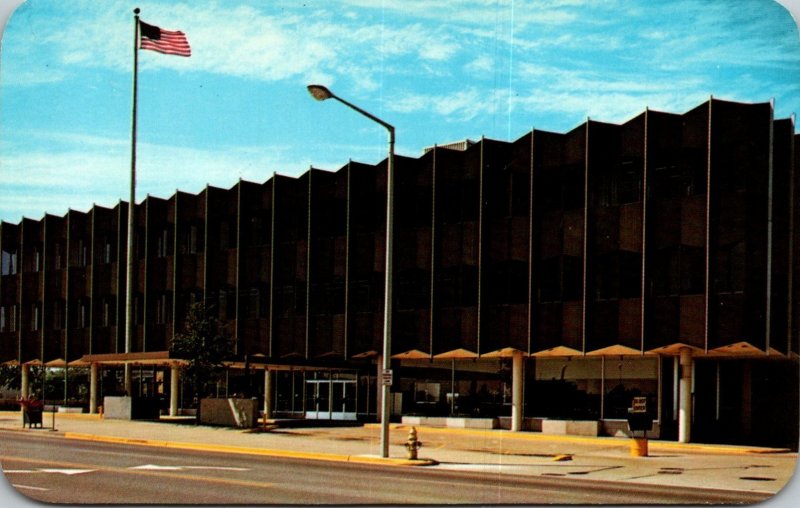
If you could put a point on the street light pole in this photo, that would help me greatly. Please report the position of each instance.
(322, 93)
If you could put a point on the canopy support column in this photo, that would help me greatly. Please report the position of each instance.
(378, 391)
(517, 367)
(25, 374)
(93, 368)
(174, 384)
(685, 402)
(267, 394)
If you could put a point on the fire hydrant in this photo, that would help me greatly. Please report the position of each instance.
(412, 445)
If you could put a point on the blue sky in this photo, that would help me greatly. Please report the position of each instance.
(439, 71)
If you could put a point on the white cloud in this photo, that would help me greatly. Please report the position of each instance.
(437, 51)
(583, 80)
(96, 170)
(75, 171)
(613, 97)
(460, 105)
(477, 12)
(481, 64)
(242, 41)
(448, 66)
(13, 75)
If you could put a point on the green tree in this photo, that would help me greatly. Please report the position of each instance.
(10, 377)
(204, 346)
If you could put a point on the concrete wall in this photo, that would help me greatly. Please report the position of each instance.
(229, 412)
(529, 424)
(118, 408)
(130, 408)
(452, 422)
(571, 427)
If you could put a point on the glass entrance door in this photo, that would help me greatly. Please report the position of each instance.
(318, 397)
(344, 399)
(331, 397)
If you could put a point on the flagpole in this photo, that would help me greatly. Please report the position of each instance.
(129, 318)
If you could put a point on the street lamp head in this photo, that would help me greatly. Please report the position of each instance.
(319, 92)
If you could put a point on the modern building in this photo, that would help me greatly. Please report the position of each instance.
(539, 284)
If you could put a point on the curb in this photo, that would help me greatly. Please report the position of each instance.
(59, 416)
(330, 457)
(597, 441)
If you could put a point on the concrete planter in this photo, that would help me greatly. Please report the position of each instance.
(429, 421)
(130, 408)
(472, 423)
(571, 427)
(451, 422)
(72, 410)
(242, 413)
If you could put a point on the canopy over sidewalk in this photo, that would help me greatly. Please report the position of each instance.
(151, 358)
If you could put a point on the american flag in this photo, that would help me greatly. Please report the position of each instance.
(164, 41)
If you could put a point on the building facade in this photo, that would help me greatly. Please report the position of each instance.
(552, 278)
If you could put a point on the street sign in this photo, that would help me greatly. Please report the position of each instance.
(639, 405)
(387, 377)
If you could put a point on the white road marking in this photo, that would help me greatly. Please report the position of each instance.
(476, 467)
(153, 467)
(68, 472)
(218, 468)
(156, 467)
(18, 486)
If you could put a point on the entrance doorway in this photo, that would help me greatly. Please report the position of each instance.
(331, 396)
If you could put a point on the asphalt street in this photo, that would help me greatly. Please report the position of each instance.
(88, 459)
(51, 469)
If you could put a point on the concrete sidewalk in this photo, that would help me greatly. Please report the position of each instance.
(486, 451)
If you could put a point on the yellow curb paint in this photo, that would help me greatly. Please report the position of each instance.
(724, 450)
(505, 434)
(79, 416)
(59, 416)
(598, 441)
(249, 451)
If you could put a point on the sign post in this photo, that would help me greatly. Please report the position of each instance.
(639, 419)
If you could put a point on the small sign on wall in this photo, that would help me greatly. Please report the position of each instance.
(639, 405)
